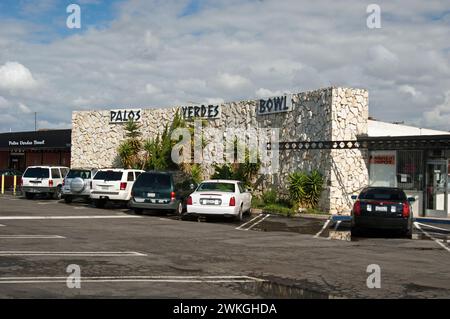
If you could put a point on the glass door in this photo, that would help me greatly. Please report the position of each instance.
(436, 182)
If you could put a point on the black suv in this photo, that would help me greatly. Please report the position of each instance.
(160, 191)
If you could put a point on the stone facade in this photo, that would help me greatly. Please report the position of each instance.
(330, 114)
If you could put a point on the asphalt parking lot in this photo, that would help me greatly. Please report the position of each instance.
(124, 255)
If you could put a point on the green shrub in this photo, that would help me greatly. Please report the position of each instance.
(269, 197)
(305, 189)
(278, 209)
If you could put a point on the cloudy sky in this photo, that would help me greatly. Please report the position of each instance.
(158, 53)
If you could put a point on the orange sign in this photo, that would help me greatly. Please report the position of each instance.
(382, 159)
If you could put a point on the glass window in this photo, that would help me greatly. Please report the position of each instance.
(108, 176)
(222, 187)
(37, 172)
(241, 188)
(410, 170)
(382, 168)
(79, 173)
(130, 177)
(154, 181)
(382, 194)
(56, 173)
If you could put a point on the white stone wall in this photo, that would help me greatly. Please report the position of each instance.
(328, 114)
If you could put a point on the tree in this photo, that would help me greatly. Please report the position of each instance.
(129, 150)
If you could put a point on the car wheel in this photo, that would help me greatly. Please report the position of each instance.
(58, 193)
(355, 231)
(408, 233)
(29, 195)
(138, 211)
(239, 217)
(99, 203)
(179, 210)
(68, 199)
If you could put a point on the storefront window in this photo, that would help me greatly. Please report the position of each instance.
(382, 168)
(410, 170)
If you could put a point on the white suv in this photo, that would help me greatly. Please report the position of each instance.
(113, 185)
(77, 184)
(43, 180)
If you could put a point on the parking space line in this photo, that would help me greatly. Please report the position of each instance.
(31, 237)
(323, 228)
(434, 227)
(1, 225)
(67, 217)
(162, 279)
(246, 223)
(437, 241)
(258, 222)
(74, 253)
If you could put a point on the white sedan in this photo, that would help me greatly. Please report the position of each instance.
(220, 197)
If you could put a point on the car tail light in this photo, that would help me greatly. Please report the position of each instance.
(123, 186)
(232, 201)
(406, 210)
(50, 183)
(64, 182)
(172, 196)
(357, 208)
(189, 200)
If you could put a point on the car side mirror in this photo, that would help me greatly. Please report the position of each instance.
(354, 197)
(411, 199)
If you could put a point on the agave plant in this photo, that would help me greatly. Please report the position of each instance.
(305, 189)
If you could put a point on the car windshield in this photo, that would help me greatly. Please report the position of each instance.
(79, 173)
(154, 181)
(383, 194)
(37, 172)
(222, 187)
(108, 176)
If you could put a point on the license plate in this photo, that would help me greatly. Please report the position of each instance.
(209, 202)
(381, 208)
(151, 195)
(104, 187)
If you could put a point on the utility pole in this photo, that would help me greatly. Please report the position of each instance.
(35, 121)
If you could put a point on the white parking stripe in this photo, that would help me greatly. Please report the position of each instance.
(437, 241)
(164, 279)
(67, 217)
(259, 221)
(434, 227)
(323, 228)
(73, 253)
(2, 225)
(31, 237)
(246, 223)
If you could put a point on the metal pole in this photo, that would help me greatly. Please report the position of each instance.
(35, 121)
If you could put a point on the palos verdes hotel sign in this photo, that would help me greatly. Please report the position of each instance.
(279, 104)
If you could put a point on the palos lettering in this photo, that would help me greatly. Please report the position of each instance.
(125, 115)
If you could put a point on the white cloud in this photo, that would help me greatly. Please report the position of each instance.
(14, 75)
(24, 109)
(4, 103)
(231, 50)
(439, 116)
(152, 89)
(262, 93)
(232, 81)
